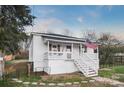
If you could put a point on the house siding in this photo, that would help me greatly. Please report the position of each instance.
(39, 48)
(58, 66)
(61, 66)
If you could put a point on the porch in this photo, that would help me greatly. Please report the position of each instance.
(69, 50)
(63, 50)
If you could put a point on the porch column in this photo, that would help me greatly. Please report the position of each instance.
(72, 49)
(48, 48)
(98, 52)
(80, 49)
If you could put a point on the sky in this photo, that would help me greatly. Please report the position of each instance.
(78, 19)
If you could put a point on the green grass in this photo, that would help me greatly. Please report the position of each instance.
(31, 78)
(113, 71)
(9, 83)
(4, 83)
(118, 69)
(105, 73)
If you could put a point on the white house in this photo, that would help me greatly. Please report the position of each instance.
(59, 54)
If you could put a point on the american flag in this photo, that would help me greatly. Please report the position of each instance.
(90, 44)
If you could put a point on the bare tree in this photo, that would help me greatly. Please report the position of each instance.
(90, 35)
(109, 45)
(108, 39)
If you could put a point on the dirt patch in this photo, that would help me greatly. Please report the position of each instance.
(21, 67)
(62, 78)
(15, 67)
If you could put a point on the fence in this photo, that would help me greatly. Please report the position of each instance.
(113, 60)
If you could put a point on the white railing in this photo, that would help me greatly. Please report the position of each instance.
(95, 59)
(58, 55)
(92, 56)
(81, 63)
(91, 60)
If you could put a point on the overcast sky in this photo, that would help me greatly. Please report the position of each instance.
(78, 19)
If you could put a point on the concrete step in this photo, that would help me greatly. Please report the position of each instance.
(90, 75)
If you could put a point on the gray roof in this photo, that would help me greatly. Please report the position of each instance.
(59, 36)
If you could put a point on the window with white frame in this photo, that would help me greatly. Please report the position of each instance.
(54, 47)
(68, 48)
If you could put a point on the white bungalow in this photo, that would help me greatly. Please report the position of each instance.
(59, 54)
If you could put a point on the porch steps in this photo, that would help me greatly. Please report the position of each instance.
(85, 69)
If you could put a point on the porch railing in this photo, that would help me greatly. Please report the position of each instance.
(91, 60)
(58, 55)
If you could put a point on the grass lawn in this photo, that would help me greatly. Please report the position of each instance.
(30, 79)
(5, 83)
(118, 69)
(63, 79)
(114, 70)
(9, 83)
(105, 73)
(18, 70)
(116, 73)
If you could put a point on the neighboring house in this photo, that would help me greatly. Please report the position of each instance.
(59, 54)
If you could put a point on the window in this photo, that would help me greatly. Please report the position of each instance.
(68, 48)
(54, 48)
(95, 50)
